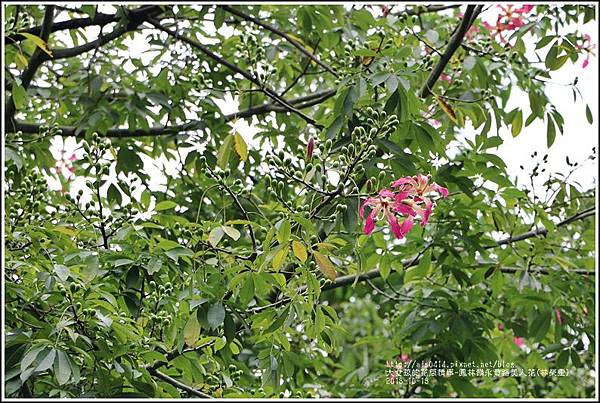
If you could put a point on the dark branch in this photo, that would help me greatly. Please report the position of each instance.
(453, 44)
(67, 131)
(278, 32)
(430, 9)
(100, 19)
(178, 384)
(269, 92)
(37, 58)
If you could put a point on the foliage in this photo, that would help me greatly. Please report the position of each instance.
(247, 274)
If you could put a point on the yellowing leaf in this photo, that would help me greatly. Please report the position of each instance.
(21, 61)
(65, 230)
(224, 152)
(191, 331)
(241, 148)
(39, 42)
(280, 256)
(448, 109)
(215, 236)
(299, 250)
(325, 245)
(325, 265)
(231, 232)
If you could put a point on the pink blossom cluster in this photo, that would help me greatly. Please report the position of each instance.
(585, 44)
(66, 163)
(509, 19)
(401, 206)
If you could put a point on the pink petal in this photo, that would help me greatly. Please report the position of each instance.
(558, 316)
(404, 358)
(585, 63)
(369, 225)
(519, 341)
(396, 229)
(427, 212)
(443, 191)
(404, 209)
(403, 181)
(386, 193)
(406, 226)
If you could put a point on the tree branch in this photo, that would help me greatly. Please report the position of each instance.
(100, 19)
(68, 131)
(269, 92)
(453, 44)
(37, 58)
(278, 32)
(430, 9)
(178, 384)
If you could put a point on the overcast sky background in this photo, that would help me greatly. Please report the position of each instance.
(578, 139)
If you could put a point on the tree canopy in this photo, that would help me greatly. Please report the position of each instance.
(280, 201)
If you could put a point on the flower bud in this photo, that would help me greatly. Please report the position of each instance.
(310, 148)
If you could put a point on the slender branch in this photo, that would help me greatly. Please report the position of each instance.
(68, 131)
(430, 9)
(269, 92)
(178, 384)
(453, 44)
(543, 231)
(100, 19)
(278, 32)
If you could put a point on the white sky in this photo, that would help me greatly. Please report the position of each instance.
(578, 139)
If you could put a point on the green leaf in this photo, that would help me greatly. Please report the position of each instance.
(540, 325)
(224, 152)
(550, 131)
(421, 270)
(165, 205)
(284, 232)
(62, 368)
(279, 321)
(215, 315)
(62, 271)
(19, 96)
(191, 331)
(385, 265)
(517, 123)
(588, 114)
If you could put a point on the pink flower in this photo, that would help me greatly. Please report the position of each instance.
(519, 342)
(501, 326)
(445, 77)
(73, 157)
(408, 201)
(404, 357)
(384, 202)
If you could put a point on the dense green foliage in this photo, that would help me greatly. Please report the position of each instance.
(247, 273)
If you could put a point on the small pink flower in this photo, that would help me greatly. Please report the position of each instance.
(73, 157)
(445, 77)
(519, 342)
(71, 169)
(501, 327)
(404, 357)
